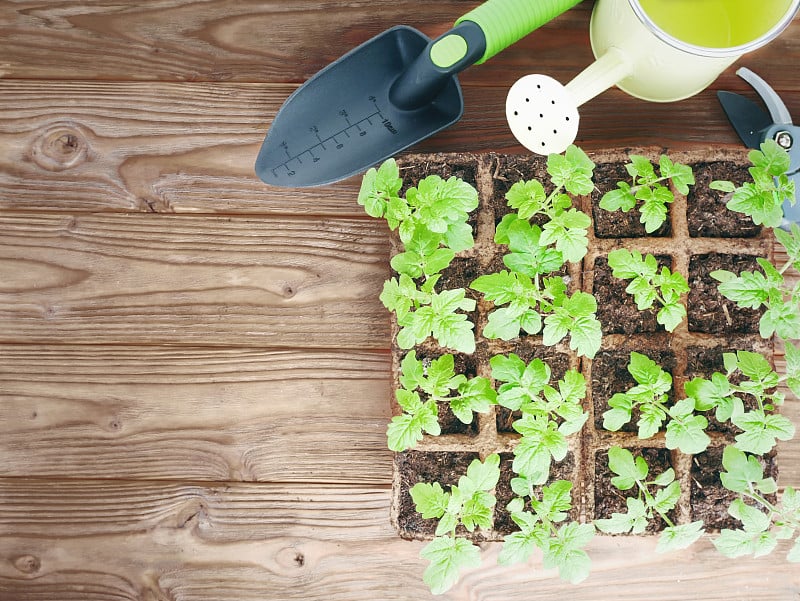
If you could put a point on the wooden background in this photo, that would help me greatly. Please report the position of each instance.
(194, 366)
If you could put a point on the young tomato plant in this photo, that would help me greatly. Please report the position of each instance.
(528, 297)
(549, 414)
(649, 285)
(762, 200)
(648, 190)
(562, 545)
(469, 504)
(432, 222)
(764, 522)
(761, 427)
(437, 383)
(685, 430)
(656, 497)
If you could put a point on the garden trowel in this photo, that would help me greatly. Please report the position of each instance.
(754, 125)
(387, 94)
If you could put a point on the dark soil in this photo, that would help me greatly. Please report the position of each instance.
(610, 375)
(431, 466)
(616, 309)
(706, 212)
(709, 499)
(608, 499)
(709, 311)
(616, 224)
(563, 470)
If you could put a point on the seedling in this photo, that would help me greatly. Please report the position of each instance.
(648, 190)
(469, 505)
(761, 427)
(549, 414)
(764, 522)
(685, 429)
(656, 497)
(438, 383)
(432, 224)
(562, 546)
(762, 199)
(649, 285)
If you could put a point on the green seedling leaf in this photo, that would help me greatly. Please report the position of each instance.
(378, 187)
(634, 520)
(528, 198)
(793, 368)
(742, 470)
(566, 553)
(429, 499)
(448, 557)
(628, 469)
(676, 538)
(572, 171)
(474, 396)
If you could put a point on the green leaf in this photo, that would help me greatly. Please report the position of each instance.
(681, 175)
(793, 368)
(722, 186)
(378, 186)
(742, 470)
(532, 456)
(635, 519)
(791, 243)
(752, 518)
(528, 198)
(675, 538)
(448, 556)
(734, 543)
(565, 552)
(664, 478)
(483, 476)
(519, 546)
(406, 430)
(753, 365)
(770, 158)
(628, 469)
(556, 501)
(650, 421)
(670, 316)
(688, 435)
(474, 396)
(568, 231)
(507, 368)
(620, 199)
(654, 206)
(762, 206)
(572, 170)
(429, 499)
(666, 498)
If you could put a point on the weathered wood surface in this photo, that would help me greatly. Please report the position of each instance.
(193, 405)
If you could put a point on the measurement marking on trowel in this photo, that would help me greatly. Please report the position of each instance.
(334, 140)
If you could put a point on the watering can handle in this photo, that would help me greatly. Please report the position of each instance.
(506, 21)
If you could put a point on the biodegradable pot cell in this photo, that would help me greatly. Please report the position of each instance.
(698, 237)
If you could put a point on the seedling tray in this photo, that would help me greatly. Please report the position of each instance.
(699, 236)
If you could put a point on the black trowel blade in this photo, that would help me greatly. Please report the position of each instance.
(340, 122)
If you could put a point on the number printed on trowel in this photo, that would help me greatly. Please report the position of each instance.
(322, 144)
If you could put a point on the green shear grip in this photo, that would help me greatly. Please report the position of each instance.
(506, 21)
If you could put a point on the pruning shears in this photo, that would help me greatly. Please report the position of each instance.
(754, 126)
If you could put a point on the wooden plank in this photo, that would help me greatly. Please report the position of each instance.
(270, 40)
(190, 147)
(194, 414)
(216, 40)
(125, 279)
(176, 563)
(219, 512)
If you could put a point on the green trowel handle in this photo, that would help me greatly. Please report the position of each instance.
(506, 21)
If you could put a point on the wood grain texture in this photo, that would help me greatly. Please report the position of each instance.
(194, 414)
(190, 280)
(190, 147)
(170, 562)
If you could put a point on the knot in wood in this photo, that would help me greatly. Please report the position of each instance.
(27, 564)
(61, 146)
